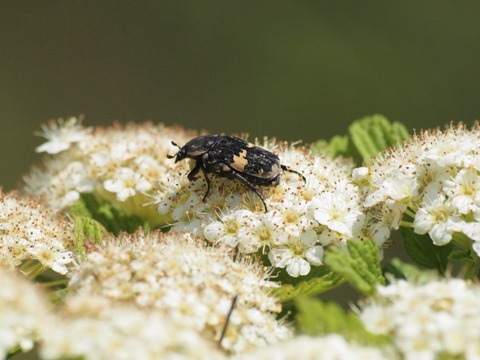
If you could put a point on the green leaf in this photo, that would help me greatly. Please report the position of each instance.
(318, 318)
(463, 256)
(87, 228)
(366, 137)
(320, 279)
(373, 134)
(338, 145)
(360, 265)
(422, 250)
(110, 215)
(403, 270)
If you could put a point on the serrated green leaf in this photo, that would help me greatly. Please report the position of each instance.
(422, 250)
(113, 218)
(338, 145)
(80, 208)
(318, 318)
(360, 265)
(373, 134)
(366, 137)
(320, 279)
(398, 133)
(87, 228)
(402, 270)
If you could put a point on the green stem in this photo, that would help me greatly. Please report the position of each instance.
(410, 212)
(32, 268)
(406, 224)
(54, 283)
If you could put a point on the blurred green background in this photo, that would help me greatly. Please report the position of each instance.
(291, 69)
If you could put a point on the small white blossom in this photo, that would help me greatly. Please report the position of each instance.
(438, 218)
(128, 161)
(93, 328)
(339, 212)
(126, 183)
(62, 134)
(298, 254)
(432, 177)
(439, 318)
(29, 231)
(191, 284)
(24, 312)
(331, 347)
(464, 191)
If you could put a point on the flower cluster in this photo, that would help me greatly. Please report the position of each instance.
(29, 231)
(119, 163)
(23, 312)
(93, 328)
(192, 284)
(434, 178)
(129, 166)
(331, 347)
(302, 217)
(428, 321)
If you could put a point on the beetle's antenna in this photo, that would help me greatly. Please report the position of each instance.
(284, 168)
(224, 331)
(172, 156)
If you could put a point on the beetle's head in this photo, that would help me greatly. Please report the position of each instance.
(180, 155)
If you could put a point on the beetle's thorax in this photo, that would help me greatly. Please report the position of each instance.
(200, 145)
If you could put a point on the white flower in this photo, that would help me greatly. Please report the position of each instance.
(61, 135)
(436, 217)
(94, 328)
(439, 318)
(398, 184)
(97, 163)
(24, 312)
(433, 178)
(297, 255)
(360, 173)
(191, 284)
(330, 347)
(464, 191)
(450, 151)
(226, 232)
(339, 212)
(29, 231)
(261, 233)
(126, 183)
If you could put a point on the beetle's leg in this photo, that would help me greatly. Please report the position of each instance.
(284, 168)
(245, 182)
(201, 166)
(194, 171)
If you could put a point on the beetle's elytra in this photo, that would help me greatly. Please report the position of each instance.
(232, 158)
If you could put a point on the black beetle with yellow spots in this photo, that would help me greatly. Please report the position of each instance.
(232, 158)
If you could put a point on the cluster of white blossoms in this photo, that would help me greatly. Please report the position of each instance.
(118, 163)
(302, 217)
(429, 321)
(95, 329)
(23, 312)
(434, 178)
(190, 283)
(29, 231)
(331, 347)
(129, 166)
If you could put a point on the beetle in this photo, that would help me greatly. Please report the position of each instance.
(233, 158)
